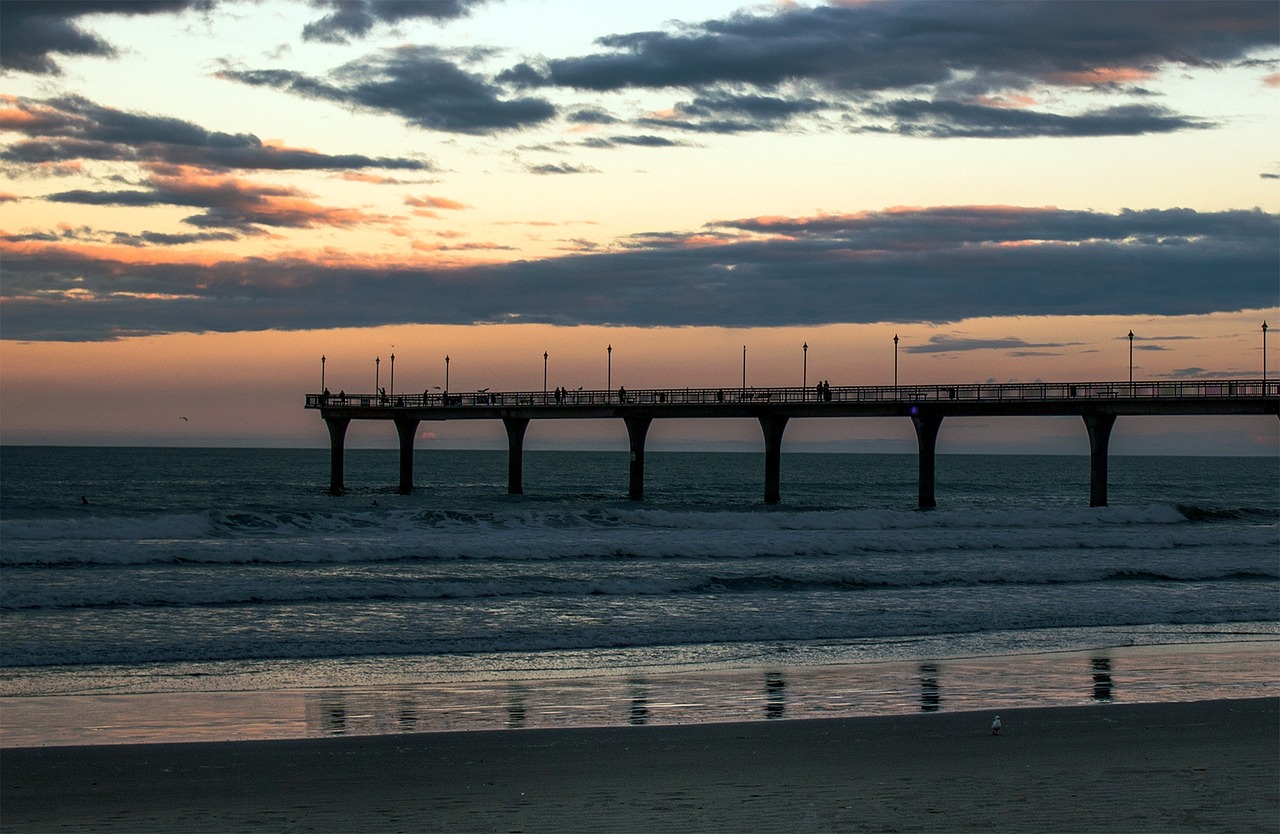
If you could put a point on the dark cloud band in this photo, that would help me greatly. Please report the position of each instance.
(940, 265)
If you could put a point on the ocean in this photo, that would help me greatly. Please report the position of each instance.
(183, 572)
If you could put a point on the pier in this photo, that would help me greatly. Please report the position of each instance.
(1099, 404)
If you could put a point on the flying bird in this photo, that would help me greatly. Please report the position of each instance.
(184, 418)
(995, 726)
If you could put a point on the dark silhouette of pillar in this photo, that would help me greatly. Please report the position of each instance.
(927, 426)
(337, 440)
(515, 453)
(637, 428)
(406, 428)
(1099, 427)
(773, 428)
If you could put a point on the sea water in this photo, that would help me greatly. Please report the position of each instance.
(161, 570)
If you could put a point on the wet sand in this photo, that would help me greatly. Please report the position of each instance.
(1198, 766)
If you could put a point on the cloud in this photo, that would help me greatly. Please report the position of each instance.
(938, 264)
(425, 86)
(357, 18)
(435, 203)
(560, 168)
(229, 202)
(922, 67)
(33, 31)
(73, 128)
(950, 119)
(944, 343)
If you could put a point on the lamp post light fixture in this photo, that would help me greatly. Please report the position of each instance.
(744, 367)
(446, 373)
(608, 380)
(1131, 362)
(322, 367)
(804, 378)
(377, 376)
(895, 360)
(393, 374)
(1264, 359)
(544, 372)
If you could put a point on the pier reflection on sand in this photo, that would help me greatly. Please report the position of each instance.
(802, 692)
(661, 696)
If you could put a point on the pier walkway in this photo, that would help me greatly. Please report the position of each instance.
(1097, 403)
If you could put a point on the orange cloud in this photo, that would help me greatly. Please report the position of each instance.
(1272, 80)
(435, 203)
(1008, 102)
(1101, 76)
(375, 179)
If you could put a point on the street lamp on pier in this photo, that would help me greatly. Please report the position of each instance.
(608, 380)
(446, 373)
(895, 360)
(1264, 353)
(377, 375)
(804, 379)
(1131, 362)
(1264, 358)
(744, 367)
(393, 374)
(544, 372)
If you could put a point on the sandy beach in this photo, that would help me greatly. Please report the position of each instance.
(1200, 766)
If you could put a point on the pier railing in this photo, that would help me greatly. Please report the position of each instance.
(977, 392)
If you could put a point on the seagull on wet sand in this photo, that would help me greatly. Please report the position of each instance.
(995, 726)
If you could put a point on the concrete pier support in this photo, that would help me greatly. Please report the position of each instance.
(1099, 427)
(637, 428)
(515, 453)
(773, 427)
(927, 426)
(406, 428)
(337, 442)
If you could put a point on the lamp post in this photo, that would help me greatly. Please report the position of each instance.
(744, 367)
(895, 360)
(446, 373)
(1131, 362)
(804, 379)
(377, 375)
(393, 374)
(1264, 354)
(608, 380)
(544, 372)
(1264, 359)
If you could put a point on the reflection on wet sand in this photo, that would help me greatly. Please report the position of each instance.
(515, 708)
(333, 717)
(639, 702)
(407, 716)
(1101, 678)
(775, 687)
(930, 693)
(692, 696)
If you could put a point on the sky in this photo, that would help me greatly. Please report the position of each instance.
(202, 198)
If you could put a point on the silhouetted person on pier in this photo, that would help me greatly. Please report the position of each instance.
(622, 394)
(324, 398)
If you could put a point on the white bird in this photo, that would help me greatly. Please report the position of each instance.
(995, 726)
